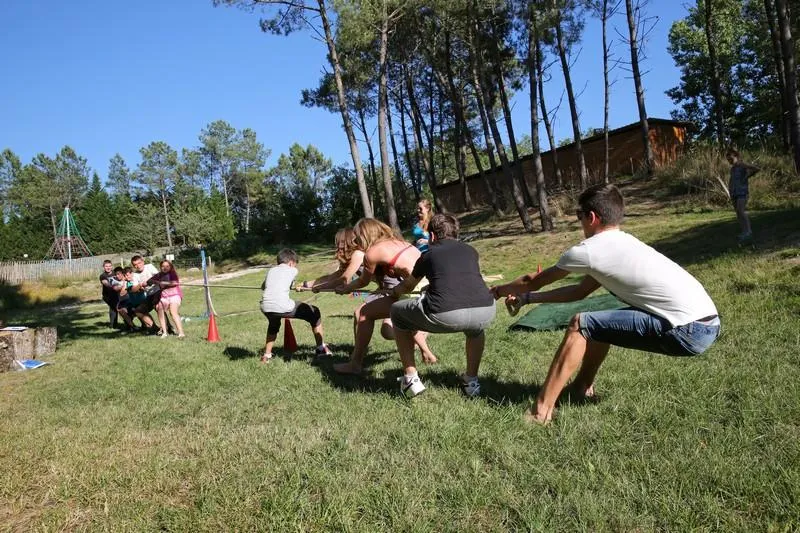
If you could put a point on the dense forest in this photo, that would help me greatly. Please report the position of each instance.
(424, 91)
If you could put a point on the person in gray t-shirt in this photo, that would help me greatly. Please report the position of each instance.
(739, 189)
(277, 305)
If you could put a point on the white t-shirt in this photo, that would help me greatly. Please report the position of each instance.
(640, 276)
(275, 298)
(147, 272)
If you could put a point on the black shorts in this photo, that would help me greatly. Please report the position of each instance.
(111, 300)
(301, 311)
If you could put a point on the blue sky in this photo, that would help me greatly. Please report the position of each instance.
(107, 77)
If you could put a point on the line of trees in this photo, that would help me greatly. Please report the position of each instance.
(445, 72)
(738, 80)
(209, 193)
(431, 82)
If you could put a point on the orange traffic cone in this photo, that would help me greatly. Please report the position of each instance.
(289, 342)
(213, 334)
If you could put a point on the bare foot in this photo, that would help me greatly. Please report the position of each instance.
(533, 416)
(347, 368)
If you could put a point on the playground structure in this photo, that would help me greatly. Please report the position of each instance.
(68, 242)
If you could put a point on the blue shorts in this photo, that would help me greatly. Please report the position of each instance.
(640, 330)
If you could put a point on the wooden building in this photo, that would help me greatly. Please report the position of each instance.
(626, 153)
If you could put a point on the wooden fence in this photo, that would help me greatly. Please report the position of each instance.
(75, 269)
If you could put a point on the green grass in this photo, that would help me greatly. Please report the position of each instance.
(135, 433)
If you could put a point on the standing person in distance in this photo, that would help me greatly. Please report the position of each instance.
(739, 189)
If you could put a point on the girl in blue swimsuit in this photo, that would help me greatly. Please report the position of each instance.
(420, 231)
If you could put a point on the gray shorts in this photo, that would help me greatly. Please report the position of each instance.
(409, 315)
(386, 283)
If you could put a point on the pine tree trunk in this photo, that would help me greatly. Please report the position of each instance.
(486, 183)
(777, 57)
(431, 134)
(787, 45)
(401, 200)
(166, 214)
(247, 207)
(573, 109)
(373, 174)
(548, 127)
(457, 100)
(412, 169)
(527, 192)
(716, 86)
(416, 119)
(501, 199)
(606, 90)
(487, 136)
(637, 82)
(386, 173)
(516, 192)
(538, 171)
(348, 126)
(225, 193)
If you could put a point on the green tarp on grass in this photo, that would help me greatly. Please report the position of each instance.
(545, 317)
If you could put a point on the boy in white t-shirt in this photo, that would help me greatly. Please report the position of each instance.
(277, 305)
(670, 311)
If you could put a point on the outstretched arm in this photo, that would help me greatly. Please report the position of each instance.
(530, 282)
(406, 286)
(359, 283)
(570, 293)
(342, 277)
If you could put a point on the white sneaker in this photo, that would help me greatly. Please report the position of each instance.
(471, 388)
(411, 387)
(323, 351)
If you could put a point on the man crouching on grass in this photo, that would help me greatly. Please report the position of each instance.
(456, 300)
(670, 311)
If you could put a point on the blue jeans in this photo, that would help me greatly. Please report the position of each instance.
(640, 330)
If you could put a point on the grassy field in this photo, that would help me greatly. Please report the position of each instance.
(142, 433)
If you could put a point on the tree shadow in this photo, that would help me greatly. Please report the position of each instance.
(72, 323)
(772, 231)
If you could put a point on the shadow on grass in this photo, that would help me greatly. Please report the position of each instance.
(236, 353)
(773, 230)
(493, 391)
(367, 381)
(72, 323)
(13, 299)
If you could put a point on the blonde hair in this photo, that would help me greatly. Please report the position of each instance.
(427, 220)
(345, 245)
(370, 231)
